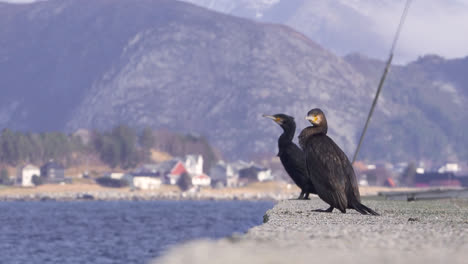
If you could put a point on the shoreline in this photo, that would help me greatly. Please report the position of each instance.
(120, 196)
(272, 191)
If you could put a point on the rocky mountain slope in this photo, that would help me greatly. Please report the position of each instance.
(364, 26)
(341, 26)
(423, 108)
(69, 64)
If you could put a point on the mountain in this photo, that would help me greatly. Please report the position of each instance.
(363, 26)
(341, 26)
(70, 64)
(422, 108)
(73, 64)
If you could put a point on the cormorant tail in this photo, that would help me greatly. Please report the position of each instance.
(363, 209)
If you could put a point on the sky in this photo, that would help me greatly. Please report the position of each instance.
(432, 26)
(18, 1)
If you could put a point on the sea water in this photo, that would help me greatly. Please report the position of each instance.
(115, 231)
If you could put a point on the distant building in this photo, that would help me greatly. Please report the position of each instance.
(169, 171)
(53, 172)
(238, 167)
(146, 183)
(431, 179)
(379, 176)
(201, 180)
(27, 173)
(120, 176)
(175, 172)
(449, 167)
(223, 175)
(264, 174)
(193, 164)
(254, 173)
(115, 175)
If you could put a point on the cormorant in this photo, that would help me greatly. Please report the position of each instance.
(329, 169)
(291, 156)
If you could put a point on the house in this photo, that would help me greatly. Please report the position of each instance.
(193, 164)
(115, 175)
(201, 180)
(27, 173)
(264, 174)
(223, 175)
(175, 172)
(449, 167)
(254, 173)
(146, 183)
(169, 171)
(430, 179)
(378, 176)
(53, 172)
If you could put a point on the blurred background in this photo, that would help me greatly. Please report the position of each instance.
(163, 100)
(174, 78)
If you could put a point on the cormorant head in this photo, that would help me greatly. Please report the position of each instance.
(283, 120)
(316, 117)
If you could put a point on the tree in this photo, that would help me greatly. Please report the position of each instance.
(4, 177)
(109, 182)
(8, 148)
(37, 180)
(147, 138)
(408, 174)
(184, 182)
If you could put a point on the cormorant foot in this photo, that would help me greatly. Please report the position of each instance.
(329, 210)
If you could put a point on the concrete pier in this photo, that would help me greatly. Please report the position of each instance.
(406, 232)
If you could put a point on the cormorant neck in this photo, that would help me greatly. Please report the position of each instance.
(287, 136)
(311, 131)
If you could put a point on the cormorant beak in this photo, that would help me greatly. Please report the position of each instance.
(276, 119)
(312, 119)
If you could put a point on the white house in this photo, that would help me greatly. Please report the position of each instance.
(120, 176)
(264, 175)
(146, 183)
(201, 180)
(116, 175)
(449, 167)
(194, 164)
(27, 173)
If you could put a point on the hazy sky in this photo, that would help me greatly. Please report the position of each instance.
(432, 27)
(18, 1)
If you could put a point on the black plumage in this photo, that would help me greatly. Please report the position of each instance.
(291, 156)
(329, 169)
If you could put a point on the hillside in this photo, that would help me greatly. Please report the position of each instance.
(167, 64)
(421, 111)
(363, 26)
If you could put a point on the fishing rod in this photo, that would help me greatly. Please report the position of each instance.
(382, 79)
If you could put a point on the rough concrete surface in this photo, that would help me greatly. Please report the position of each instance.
(406, 232)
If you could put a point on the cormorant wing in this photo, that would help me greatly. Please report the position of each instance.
(350, 176)
(325, 165)
(293, 159)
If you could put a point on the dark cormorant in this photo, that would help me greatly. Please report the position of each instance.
(291, 156)
(329, 169)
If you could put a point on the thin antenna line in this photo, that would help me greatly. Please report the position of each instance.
(382, 79)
